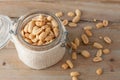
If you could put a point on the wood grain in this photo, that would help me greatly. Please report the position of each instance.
(13, 69)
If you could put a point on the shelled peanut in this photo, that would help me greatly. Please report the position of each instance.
(40, 30)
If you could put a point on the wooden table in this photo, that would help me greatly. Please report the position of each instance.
(11, 68)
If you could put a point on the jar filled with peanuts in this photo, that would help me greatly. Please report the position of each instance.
(38, 37)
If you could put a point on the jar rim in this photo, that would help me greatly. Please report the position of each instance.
(31, 15)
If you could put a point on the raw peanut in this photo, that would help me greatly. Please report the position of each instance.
(31, 24)
(37, 31)
(49, 18)
(85, 53)
(74, 74)
(99, 53)
(64, 66)
(88, 32)
(34, 40)
(56, 31)
(39, 42)
(74, 55)
(41, 16)
(94, 20)
(47, 30)
(107, 40)
(105, 23)
(59, 14)
(74, 78)
(78, 12)
(99, 71)
(74, 46)
(48, 38)
(97, 59)
(65, 22)
(70, 64)
(87, 28)
(71, 24)
(85, 39)
(71, 14)
(54, 23)
(106, 51)
(76, 19)
(77, 41)
(27, 35)
(34, 44)
(99, 25)
(22, 33)
(97, 45)
(31, 36)
(26, 28)
(39, 23)
(28, 40)
(42, 36)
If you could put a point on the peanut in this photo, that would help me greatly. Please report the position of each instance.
(26, 28)
(56, 31)
(59, 14)
(22, 33)
(65, 22)
(78, 12)
(30, 26)
(71, 24)
(74, 74)
(49, 18)
(99, 25)
(31, 36)
(77, 41)
(74, 55)
(85, 39)
(74, 78)
(42, 36)
(105, 23)
(76, 19)
(107, 40)
(70, 64)
(85, 53)
(28, 40)
(99, 53)
(64, 66)
(87, 28)
(71, 14)
(106, 51)
(54, 23)
(40, 23)
(39, 42)
(74, 46)
(99, 71)
(97, 59)
(88, 33)
(97, 45)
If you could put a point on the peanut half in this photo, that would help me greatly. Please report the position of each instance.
(107, 40)
(97, 45)
(70, 64)
(85, 39)
(85, 53)
(99, 71)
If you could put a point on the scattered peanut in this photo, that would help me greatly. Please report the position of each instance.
(106, 51)
(76, 19)
(88, 33)
(74, 74)
(71, 14)
(105, 23)
(87, 28)
(77, 41)
(74, 46)
(107, 40)
(70, 64)
(97, 45)
(78, 12)
(71, 24)
(99, 53)
(99, 71)
(74, 55)
(65, 22)
(85, 53)
(97, 59)
(64, 66)
(59, 14)
(99, 25)
(85, 39)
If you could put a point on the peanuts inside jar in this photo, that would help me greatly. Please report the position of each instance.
(40, 30)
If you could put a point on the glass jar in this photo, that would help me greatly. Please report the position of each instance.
(37, 57)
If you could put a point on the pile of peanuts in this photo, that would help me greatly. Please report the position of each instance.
(85, 39)
(40, 30)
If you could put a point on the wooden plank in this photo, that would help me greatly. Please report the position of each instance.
(90, 10)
